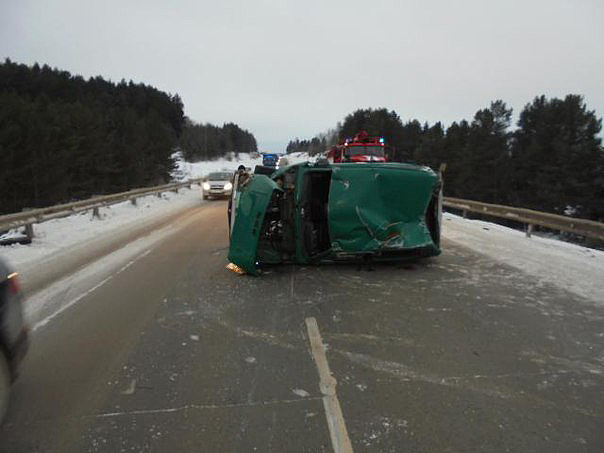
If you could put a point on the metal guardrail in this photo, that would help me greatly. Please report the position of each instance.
(28, 218)
(581, 227)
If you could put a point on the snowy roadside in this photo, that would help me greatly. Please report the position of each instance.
(55, 237)
(571, 267)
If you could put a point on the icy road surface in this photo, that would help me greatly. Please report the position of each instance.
(157, 347)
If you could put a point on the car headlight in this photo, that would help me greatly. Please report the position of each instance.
(228, 186)
(206, 186)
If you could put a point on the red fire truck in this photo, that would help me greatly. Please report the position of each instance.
(361, 148)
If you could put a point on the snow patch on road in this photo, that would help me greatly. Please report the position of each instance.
(577, 269)
(301, 393)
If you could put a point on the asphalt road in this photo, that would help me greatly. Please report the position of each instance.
(175, 353)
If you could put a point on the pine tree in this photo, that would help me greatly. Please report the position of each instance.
(64, 138)
(483, 163)
(558, 158)
(456, 140)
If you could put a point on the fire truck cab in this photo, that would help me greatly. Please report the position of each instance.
(361, 148)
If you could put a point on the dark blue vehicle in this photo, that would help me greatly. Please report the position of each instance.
(270, 159)
(13, 332)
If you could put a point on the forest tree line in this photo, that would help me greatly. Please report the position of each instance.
(315, 145)
(65, 138)
(552, 161)
(208, 142)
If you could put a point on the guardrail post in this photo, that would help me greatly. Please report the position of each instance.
(529, 230)
(133, 201)
(158, 194)
(29, 230)
(96, 213)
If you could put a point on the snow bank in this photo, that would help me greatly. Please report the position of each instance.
(568, 266)
(56, 236)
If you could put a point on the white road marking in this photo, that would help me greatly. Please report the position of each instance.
(201, 407)
(327, 383)
(75, 300)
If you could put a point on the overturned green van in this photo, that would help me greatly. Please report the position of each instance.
(306, 213)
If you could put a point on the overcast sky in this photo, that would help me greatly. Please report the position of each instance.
(286, 69)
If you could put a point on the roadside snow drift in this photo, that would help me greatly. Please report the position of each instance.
(58, 236)
(568, 266)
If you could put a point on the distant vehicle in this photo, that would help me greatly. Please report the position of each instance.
(361, 148)
(270, 159)
(307, 213)
(218, 184)
(13, 332)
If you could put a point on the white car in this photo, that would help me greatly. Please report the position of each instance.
(217, 185)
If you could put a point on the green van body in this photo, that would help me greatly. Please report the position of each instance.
(306, 213)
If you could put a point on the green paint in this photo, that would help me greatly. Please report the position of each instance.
(337, 212)
(379, 207)
(250, 208)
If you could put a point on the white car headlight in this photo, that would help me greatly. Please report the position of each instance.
(206, 186)
(228, 186)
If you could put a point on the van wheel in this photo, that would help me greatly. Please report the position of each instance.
(5, 380)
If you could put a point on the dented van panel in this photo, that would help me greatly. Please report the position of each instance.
(378, 208)
(308, 213)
